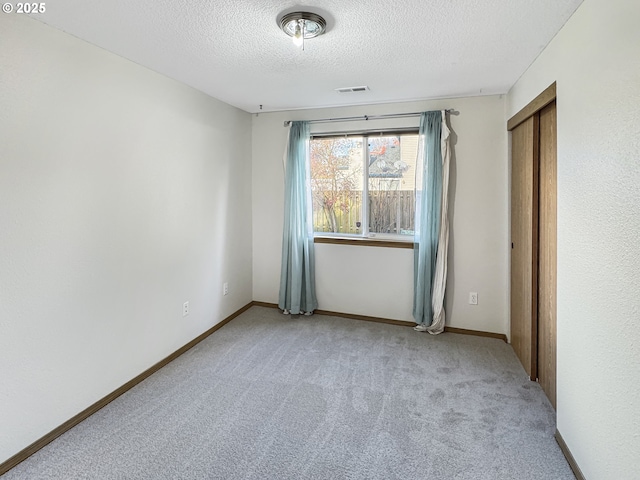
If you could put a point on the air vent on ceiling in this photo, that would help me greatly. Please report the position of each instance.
(364, 88)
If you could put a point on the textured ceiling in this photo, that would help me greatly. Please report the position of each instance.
(234, 50)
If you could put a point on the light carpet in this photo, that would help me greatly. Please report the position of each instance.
(270, 396)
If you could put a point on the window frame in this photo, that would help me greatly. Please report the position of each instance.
(367, 238)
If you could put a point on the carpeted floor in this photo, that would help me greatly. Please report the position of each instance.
(269, 396)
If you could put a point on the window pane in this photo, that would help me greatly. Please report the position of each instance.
(392, 171)
(336, 184)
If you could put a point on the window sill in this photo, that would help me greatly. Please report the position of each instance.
(364, 242)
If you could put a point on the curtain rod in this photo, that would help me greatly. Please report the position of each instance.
(367, 117)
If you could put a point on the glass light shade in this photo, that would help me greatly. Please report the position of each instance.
(302, 25)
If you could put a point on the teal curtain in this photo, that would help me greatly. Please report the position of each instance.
(297, 274)
(427, 220)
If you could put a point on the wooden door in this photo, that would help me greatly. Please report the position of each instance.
(524, 219)
(547, 254)
(533, 233)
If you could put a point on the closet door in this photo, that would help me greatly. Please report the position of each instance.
(524, 235)
(547, 254)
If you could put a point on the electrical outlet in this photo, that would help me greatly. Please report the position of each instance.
(473, 298)
(225, 288)
(185, 309)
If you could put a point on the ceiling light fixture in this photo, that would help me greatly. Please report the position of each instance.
(302, 25)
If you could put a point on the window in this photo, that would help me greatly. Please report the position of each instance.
(364, 185)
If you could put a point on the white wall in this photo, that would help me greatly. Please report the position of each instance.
(596, 63)
(379, 281)
(122, 194)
